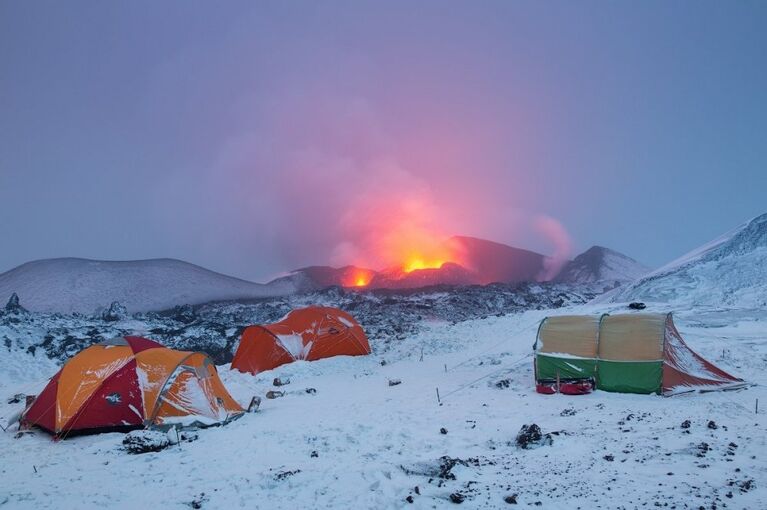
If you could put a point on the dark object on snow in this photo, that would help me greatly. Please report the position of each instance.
(17, 398)
(512, 500)
(311, 391)
(457, 498)
(314, 454)
(685, 424)
(394, 382)
(282, 475)
(274, 394)
(530, 436)
(609, 458)
(502, 384)
(197, 502)
(13, 305)
(255, 403)
(565, 386)
(144, 441)
(115, 312)
(637, 305)
(443, 430)
(280, 382)
(185, 314)
(409, 499)
(712, 425)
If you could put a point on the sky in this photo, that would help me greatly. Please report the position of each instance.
(253, 138)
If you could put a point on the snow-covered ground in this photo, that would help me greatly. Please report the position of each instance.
(359, 442)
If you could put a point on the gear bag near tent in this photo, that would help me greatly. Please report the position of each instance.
(309, 334)
(131, 382)
(629, 353)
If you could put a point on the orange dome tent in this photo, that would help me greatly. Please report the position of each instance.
(307, 334)
(131, 382)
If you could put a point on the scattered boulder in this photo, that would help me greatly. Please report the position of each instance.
(637, 306)
(282, 475)
(503, 384)
(512, 500)
(311, 391)
(702, 449)
(185, 314)
(198, 500)
(280, 382)
(13, 305)
(457, 498)
(18, 397)
(685, 424)
(115, 312)
(145, 441)
(274, 394)
(531, 436)
(394, 382)
(443, 430)
(712, 425)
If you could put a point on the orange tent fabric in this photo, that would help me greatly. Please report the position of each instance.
(307, 334)
(131, 382)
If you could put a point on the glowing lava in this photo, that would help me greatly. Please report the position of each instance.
(357, 277)
(414, 264)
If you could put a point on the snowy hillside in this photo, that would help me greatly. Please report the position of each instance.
(354, 441)
(729, 271)
(599, 264)
(69, 285)
(387, 316)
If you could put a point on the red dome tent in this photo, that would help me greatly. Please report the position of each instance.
(131, 382)
(307, 334)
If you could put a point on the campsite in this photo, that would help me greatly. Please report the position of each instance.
(366, 254)
(298, 448)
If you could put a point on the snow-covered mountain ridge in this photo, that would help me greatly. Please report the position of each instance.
(68, 285)
(729, 271)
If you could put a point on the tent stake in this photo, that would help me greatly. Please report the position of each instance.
(438, 400)
(756, 407)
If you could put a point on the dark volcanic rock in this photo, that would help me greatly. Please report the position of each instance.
(115, 312)
(531, 436)
(13, 305)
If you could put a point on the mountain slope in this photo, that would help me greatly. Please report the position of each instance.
(600, 264)
(496, 262)
(729, 271)
(79, 285)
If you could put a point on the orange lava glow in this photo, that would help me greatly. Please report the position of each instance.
(419, 263)
(357, 278)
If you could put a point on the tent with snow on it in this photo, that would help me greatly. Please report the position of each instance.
(629, 353)
(131, 382)
(309, 334)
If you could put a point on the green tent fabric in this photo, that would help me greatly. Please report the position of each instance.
(628, 353)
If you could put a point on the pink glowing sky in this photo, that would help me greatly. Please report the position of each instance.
(254, 138)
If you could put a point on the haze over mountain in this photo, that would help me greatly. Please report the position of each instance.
(69, 285)
(482, 262)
